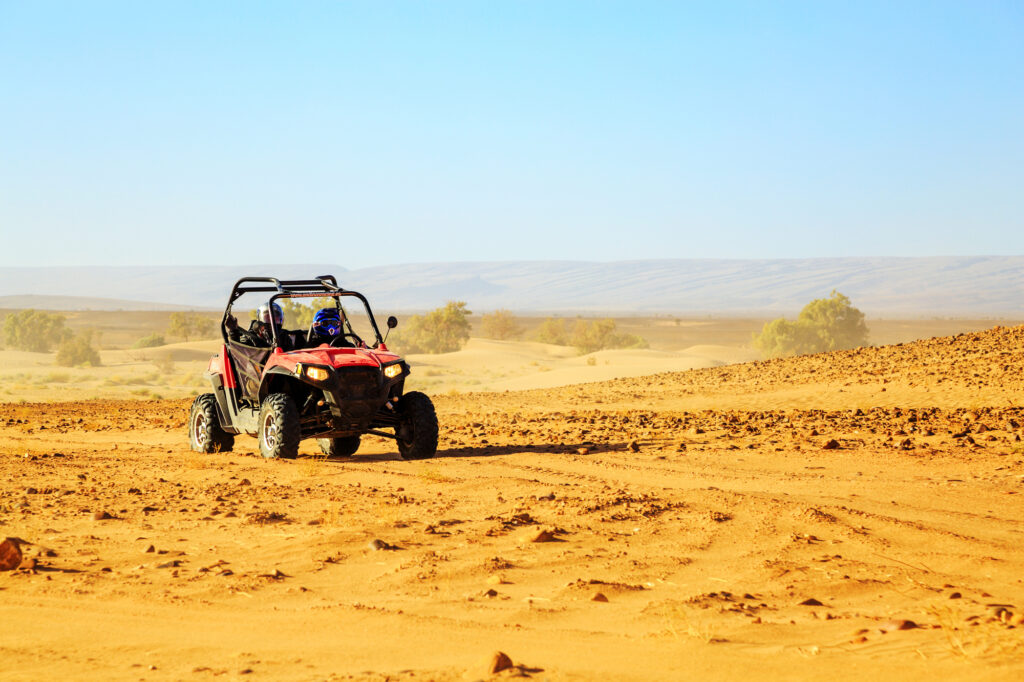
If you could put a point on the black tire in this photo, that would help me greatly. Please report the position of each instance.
(204, 430)
(417, 431)
(339, 447)
(279, 430)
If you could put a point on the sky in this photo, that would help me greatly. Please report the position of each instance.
(377, 133)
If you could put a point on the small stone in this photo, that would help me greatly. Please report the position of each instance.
(101, 516)
(859, 640)
(491, 593)
(831, 445)
(810, 602)
(598, 596)
(496, 662)
(495, 580)
(583, 451)
(377, 545)
(1016, 619)
(245, 481)
(895, 625)
(150, 549)
(955, 595)
(542, 536)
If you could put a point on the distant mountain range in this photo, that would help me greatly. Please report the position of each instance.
(914, 287)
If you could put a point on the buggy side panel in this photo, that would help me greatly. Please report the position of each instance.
(249, 362)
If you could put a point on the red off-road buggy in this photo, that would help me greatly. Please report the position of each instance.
(292, 386)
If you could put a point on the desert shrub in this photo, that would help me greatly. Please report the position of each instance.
(442, 330)
(500, 325)
(79, 350)
(164, 363)
(190, 325)
(151, 341)
(601, 335)
(824, 324)
(552, 330)
(34, 330)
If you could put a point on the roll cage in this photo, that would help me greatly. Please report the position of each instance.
(324, 286)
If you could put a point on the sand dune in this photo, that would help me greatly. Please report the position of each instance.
(843, 516)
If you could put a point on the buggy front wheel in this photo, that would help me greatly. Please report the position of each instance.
(279, 431)
(416, 433)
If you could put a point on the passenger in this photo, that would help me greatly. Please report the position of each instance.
(259, 333)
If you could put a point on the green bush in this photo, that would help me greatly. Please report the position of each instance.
(298, 315)
(552, 330)
(501, 325)
(151, 341)
(78, 350)
(34, 330)
(190, 325)
(601, 335)
(824, 324)
(442, 330)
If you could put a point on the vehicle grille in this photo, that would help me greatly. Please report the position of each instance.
(359, 384)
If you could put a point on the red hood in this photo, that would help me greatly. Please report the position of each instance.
(333, 357)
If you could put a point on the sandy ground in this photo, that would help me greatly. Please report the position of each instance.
(839, 517)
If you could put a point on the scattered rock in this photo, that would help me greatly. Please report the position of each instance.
(895, 625)
(377, 545)
(598, 596)
(149, 549)
(101, 516)
(10, 554)
(831, 445)
(810, 602)
(583, 451)
(955, 595)
(542, 536)
(633, 446)
(495, 580)
(496, 662)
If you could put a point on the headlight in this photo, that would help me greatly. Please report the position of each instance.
(392, 371)
(317, 373)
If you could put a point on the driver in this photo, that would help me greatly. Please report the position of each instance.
(327, 328)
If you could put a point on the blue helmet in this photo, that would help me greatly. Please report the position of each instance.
(327, 322)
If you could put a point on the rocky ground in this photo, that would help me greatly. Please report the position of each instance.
(836, 516)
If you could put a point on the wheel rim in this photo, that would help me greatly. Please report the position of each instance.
(269, 432)
(201, 428)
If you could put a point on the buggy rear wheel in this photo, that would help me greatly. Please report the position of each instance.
(204, 430)
(279, 431)
(339, 447)
(416, 433)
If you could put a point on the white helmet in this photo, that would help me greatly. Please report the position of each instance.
(263, 313)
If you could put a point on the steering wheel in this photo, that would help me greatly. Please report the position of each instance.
(355, 337)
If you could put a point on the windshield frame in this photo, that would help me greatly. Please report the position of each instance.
(336, 295)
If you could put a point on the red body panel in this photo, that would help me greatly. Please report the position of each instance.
(331, 357)
(219, 364)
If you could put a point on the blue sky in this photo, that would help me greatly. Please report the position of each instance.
(381, 133)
